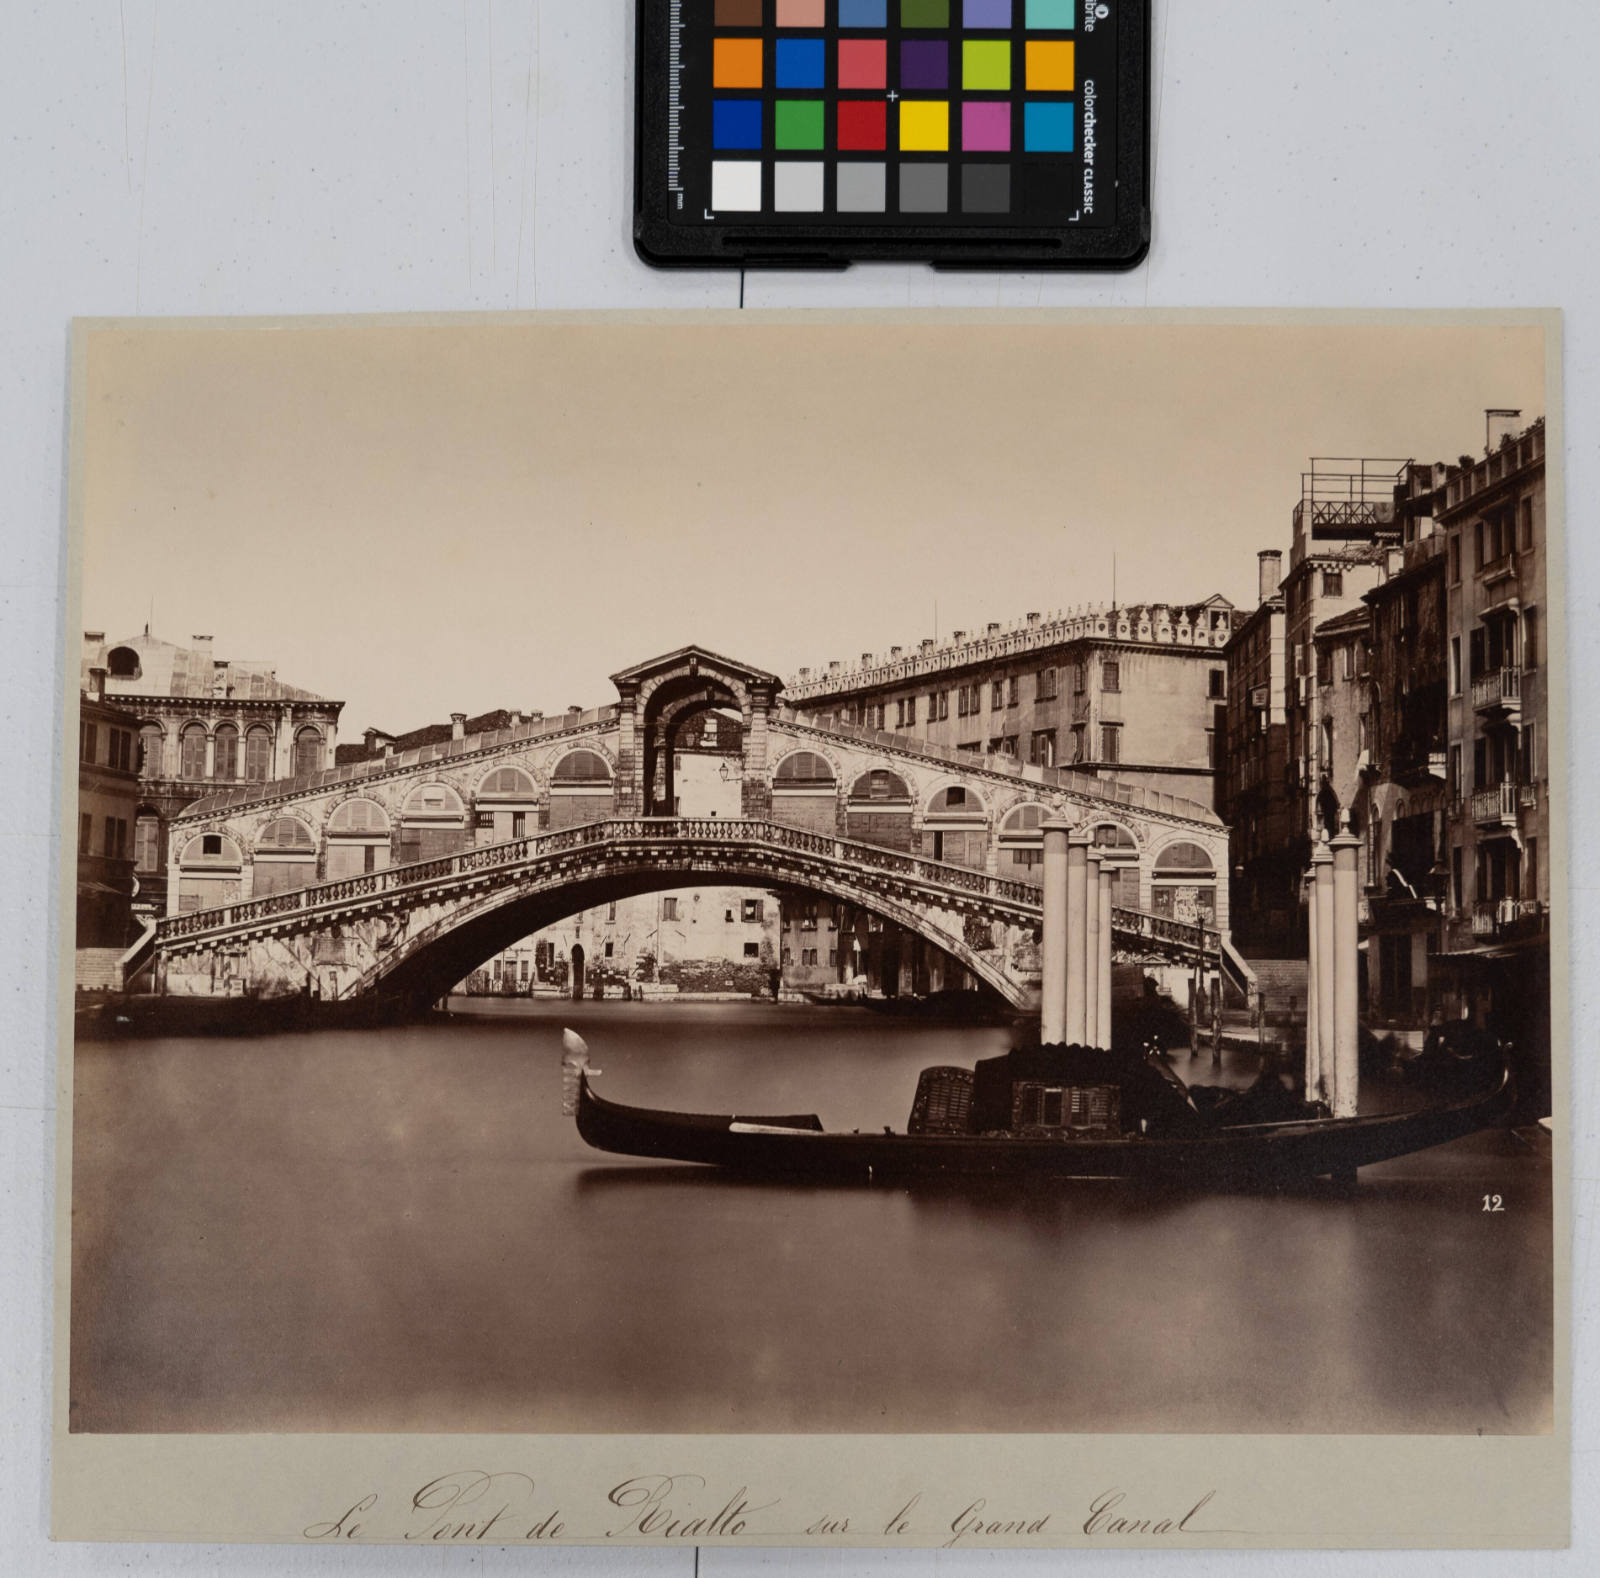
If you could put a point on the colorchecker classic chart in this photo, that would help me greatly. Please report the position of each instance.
(966, 133)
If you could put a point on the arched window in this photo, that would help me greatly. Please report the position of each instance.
(955, 829)
(227, 753)
(1184, 885)
(286, 833)
(582, 767)
(880, 784)
(307, 751)
(208, 872)
(285, 857)
(358, 838)
(879, 810)
(1022, 844)
(152, 743)
(508, 806)
(580, 789)
(122, 663)
(507, 782)
(803, 770)
(359, 816)
(433, 823)
(805, 793)
(192, 751)
(257, 754)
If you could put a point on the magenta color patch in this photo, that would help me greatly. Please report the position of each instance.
(986, 126)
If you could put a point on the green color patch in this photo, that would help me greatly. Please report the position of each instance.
(799, 123)
(986, 63)
(924, 13)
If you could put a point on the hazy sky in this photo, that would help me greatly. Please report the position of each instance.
(421, 520)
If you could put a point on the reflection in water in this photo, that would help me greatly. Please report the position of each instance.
(397, 1230)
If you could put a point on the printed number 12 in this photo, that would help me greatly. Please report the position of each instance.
(1493, 1202)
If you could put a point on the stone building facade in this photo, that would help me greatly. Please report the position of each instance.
(1253, 785)
(684, 941)
(108, 799)
(203, 722)
(1496, 954)
(1131, 692)
(1420, 711)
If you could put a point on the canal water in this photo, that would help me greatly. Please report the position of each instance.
(396, 1230)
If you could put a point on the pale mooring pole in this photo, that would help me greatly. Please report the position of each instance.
(1077, 923)
(1091, 950)
(1103, 963)
(1313, 972)
(1053, 942)
(1322, 871)
(1346, 973)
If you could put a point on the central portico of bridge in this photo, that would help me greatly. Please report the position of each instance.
(391, 878)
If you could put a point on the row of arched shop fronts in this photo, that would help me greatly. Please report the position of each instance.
(953, 824)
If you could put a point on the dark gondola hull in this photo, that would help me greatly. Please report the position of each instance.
(1238, 1155)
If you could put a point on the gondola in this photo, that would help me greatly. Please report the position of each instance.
(1067, 1112)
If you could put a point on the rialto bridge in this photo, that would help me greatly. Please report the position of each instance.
(392, 878)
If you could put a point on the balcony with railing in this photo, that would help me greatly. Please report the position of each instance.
(1499, 691)
(1496, 806)
(1509, 920)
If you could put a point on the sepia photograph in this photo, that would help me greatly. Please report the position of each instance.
(809, 875)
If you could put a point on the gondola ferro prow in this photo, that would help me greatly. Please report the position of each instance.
(574, 1067)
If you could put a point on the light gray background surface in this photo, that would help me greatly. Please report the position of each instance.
(183, 157)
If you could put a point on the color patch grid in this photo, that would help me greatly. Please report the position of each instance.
(880, 108)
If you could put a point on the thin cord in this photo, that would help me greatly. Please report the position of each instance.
(741, 304)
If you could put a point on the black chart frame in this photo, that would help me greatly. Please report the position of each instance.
(1121, 245)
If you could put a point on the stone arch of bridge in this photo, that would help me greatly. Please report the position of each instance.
(423, 967)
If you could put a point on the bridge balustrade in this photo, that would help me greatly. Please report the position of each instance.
(1022, 896)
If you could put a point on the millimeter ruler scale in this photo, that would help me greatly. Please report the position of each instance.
(675, 103)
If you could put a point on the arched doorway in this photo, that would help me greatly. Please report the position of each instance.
(1184, 885)
(657, 696)
(577, 972)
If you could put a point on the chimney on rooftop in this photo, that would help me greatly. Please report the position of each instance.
(97, 684)
(1033, 619)
(805, 674)
(1269, 563)
(516, 718)
(992, 628)
(895, 652)
(536, 716)
(574, 711)
(925, 644)
(958, 636)
(1499, 425)
(866, 660)
(458, 725)
(834, 665)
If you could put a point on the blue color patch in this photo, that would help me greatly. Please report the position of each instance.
(1049, 127)
(736, 123)
(863, 13)
(800, 63)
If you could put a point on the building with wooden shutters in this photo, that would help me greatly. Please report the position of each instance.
(203, 722)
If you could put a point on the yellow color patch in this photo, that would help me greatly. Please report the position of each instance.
(736, 63)
(924, 125)
(1052, 66)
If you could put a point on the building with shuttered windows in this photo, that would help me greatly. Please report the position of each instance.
(204, 722)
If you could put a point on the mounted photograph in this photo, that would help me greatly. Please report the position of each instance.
(769, 880)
